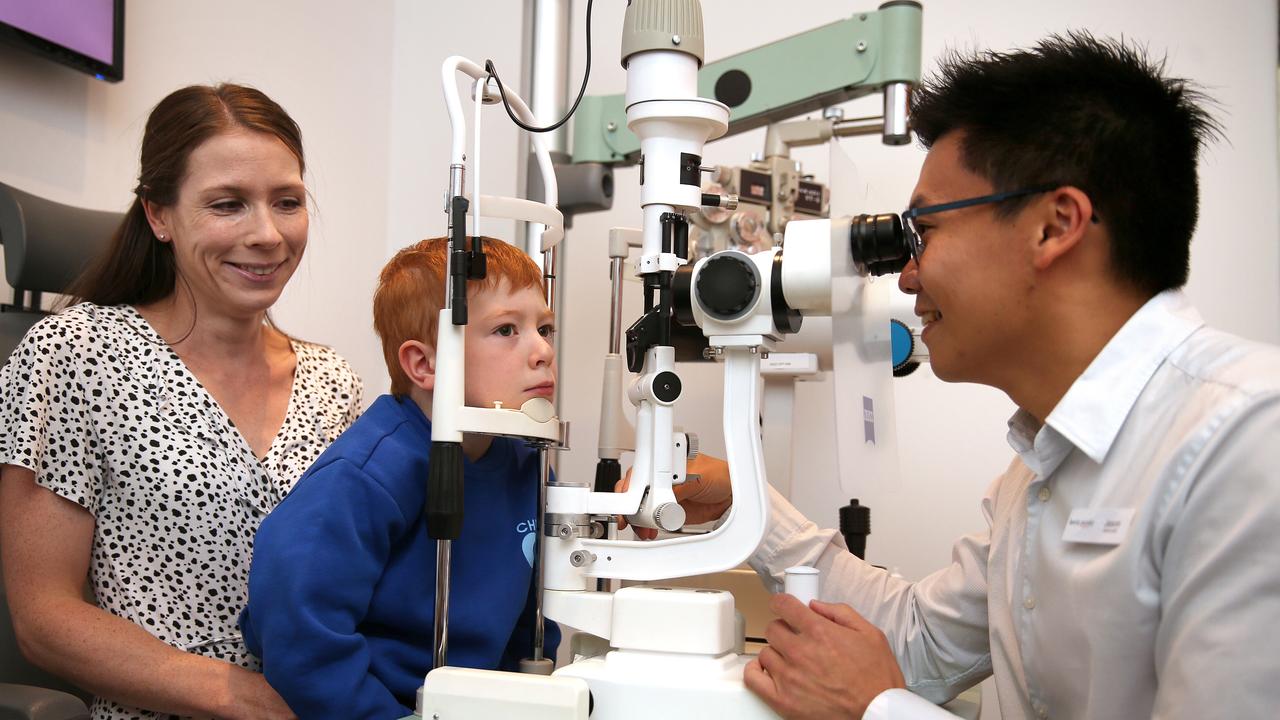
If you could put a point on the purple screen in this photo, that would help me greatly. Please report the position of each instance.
(84, 26)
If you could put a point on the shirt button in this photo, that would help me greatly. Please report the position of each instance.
(1044, 494)
(1029, 603)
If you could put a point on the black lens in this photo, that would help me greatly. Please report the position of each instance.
(878, 243)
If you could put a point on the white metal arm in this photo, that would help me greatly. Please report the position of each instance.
(723, 548)
(449, 416)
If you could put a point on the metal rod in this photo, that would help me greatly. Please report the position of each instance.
(555, 301)
(615, 306)
(441, 647)
(545, 81)
(457, 185)
(547, 30)
(858, 126)
(897, 128)
(544, 462)
(550, 267)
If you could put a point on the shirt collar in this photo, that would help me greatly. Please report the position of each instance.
(1091, 413)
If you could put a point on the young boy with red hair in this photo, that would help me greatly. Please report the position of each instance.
(342, 585)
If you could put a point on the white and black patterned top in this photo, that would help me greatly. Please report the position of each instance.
(107, 416)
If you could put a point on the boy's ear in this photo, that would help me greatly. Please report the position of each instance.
(1066, 221)
(418, 360)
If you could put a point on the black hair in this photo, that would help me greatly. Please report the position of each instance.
(1095, 114)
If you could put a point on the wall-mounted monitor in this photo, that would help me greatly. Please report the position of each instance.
(87, 35)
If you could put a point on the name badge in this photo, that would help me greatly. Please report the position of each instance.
(1098, 526)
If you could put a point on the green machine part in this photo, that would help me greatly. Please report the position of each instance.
(824, 66)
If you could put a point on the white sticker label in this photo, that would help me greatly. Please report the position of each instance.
(1100, 526)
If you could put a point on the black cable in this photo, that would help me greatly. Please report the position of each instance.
(490, 68)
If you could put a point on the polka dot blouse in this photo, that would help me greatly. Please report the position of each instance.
(107, 416)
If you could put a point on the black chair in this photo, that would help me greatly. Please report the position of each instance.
(46, 246)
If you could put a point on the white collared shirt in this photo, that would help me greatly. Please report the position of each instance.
(1130, 565)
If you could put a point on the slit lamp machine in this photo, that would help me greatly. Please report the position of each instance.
(672, 651)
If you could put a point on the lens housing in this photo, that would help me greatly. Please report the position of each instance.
(878, 244)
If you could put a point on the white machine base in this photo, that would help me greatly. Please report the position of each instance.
(642, 685)
(453, 693)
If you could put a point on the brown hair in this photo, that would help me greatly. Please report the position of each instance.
(410, 294)
(137, 268)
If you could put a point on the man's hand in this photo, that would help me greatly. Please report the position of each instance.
(704, 499)
(824, 662)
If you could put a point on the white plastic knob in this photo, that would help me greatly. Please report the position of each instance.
(669, 516)
(802, 583)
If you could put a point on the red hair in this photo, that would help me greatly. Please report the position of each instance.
(410, 294)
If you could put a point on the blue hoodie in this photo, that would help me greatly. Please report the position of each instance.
(342, 586)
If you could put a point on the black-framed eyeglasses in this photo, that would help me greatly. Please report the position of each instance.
(914, 242)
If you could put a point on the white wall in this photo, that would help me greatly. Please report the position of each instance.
(362, 81)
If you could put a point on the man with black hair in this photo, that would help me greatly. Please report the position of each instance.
(1128, 567)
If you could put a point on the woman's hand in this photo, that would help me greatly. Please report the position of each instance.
(251, 697)
(46, 542)
(704, 498)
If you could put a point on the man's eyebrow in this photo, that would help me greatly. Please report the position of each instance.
(918, 201)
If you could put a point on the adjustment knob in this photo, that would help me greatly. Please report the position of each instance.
(669, 516)
(903, 344)
(693, 445)
(727, 285)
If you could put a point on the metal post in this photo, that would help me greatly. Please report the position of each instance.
(537, 664)
(539, 569)
(546, 49)
(547, 34)
(545, 84)
(897, 128)
(547, 39)
(443, 550)
(615, 305)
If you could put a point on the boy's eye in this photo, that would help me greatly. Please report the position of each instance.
(547, 331)
(505, 330)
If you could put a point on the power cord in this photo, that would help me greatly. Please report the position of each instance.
(490, 68)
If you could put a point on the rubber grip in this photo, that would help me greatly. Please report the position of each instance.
(444, 491)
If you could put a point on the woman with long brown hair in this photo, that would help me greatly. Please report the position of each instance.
(150, 426)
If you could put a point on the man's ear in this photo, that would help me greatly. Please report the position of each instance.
(418, 360)
(1065, 222)
(158, 219)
